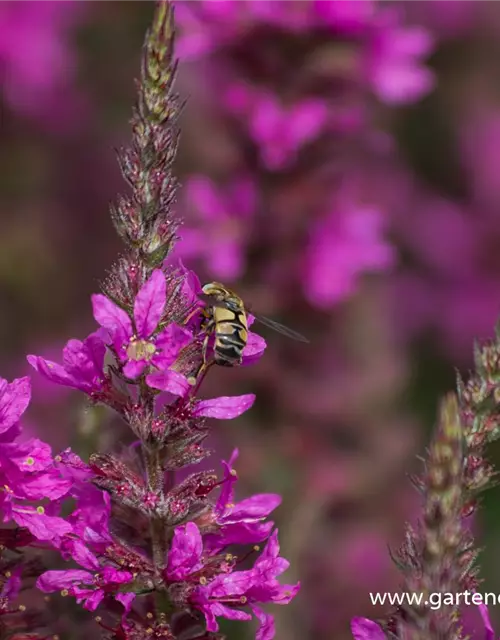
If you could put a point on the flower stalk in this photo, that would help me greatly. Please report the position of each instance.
(140, 534)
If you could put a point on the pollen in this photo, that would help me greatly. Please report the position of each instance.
(256, 548)
(98, 619)
(243, 599)
(29, 461)
(7, 574)
(229, 557)
(140, 350)
(21, 607)
(58, 458)
(149, 631)
(64, 593)
(40, 510)
(234, 473)
(149, 615)
(203, 580)
(230, 505)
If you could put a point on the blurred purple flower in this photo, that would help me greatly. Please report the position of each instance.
(218, 224)
(394, 60)
(36, 56)
(280, 132)
(347, 242)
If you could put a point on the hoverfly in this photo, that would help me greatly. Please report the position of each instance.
(227, 321)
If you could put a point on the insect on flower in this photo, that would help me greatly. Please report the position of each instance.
(226, 320)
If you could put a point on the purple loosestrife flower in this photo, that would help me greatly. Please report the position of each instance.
(288, 119)
(26, 468)
(37, 58)
(137, 531)
(214, 588)
(280, 132)
(221, 215)
(241, 522)
(86, 586)
(348, 241)
(394, 59)
(82, 368)
(141, 343)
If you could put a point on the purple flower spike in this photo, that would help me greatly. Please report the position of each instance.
(137, 348)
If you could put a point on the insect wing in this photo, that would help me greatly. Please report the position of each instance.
(280, 328)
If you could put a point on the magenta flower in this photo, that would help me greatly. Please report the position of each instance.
(14, 400)
(342, 245)
(87, 587)
(280, 131)
(218, 222)
(26, 468)
(394, 59)
(241, 522)
(82, 368)
(252, 587)
(350, 17)
(37, 57)
(185, 555)
(365, 629)
(225, 594)
(138, 344)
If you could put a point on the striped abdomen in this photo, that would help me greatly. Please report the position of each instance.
(231, 335)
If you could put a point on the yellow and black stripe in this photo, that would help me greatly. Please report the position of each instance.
(231, 334)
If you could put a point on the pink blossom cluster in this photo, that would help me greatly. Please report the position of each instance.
(198, 572)
(286, 120)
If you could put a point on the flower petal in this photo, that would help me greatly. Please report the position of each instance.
(150, 304)
(14, 398)
(185, 552)
(169, 342)
(170, 381)
(225, 407)
(254, 348)
(41, 526)
(56, 580)
(52, 371)
(113, 318)
(134, 368)
(365, 629)
(266, 630)
(253, 509)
